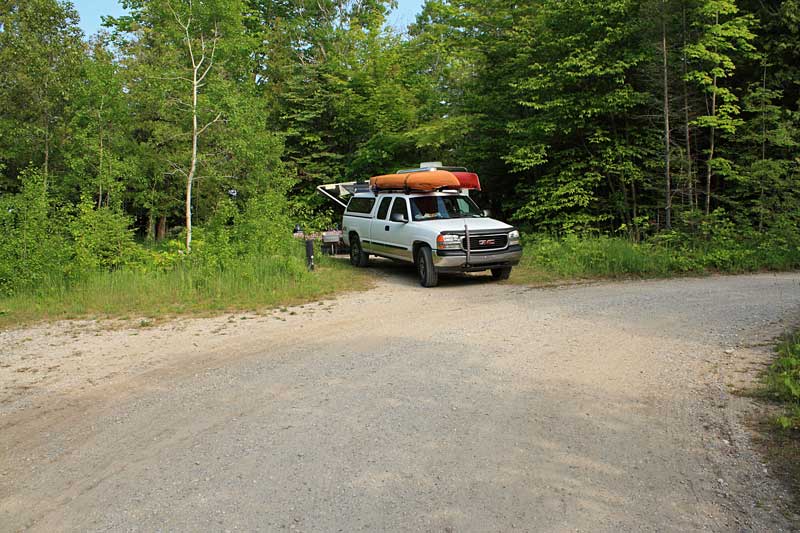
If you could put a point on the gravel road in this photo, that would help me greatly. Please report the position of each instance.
(476, 406)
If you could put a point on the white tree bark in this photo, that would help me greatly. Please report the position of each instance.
(201, 66)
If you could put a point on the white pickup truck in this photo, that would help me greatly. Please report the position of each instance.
(436, 231)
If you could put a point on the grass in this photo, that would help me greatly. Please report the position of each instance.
(779, 432)
(783, 381)
(253, 284)
(548, 260)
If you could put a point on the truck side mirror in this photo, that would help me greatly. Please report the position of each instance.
(398, 217)
(487, 212)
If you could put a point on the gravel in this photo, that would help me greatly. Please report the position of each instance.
(475, 406)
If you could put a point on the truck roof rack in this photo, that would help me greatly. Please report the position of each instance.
(428, 169)
(410, 191)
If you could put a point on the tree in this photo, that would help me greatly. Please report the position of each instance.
(99, 156)
(201, 57)
(667, 146)
(320, 65)
(724, 32)
(765, 142)
(41, 50)
(190, 70)
(572, 70)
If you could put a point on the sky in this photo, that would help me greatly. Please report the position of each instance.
(91, 11)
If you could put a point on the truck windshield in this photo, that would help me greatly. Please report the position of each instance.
(438, 207)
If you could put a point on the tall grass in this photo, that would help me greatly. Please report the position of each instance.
(549, 259)
(783, 380)
(574, 257)
(249, 283)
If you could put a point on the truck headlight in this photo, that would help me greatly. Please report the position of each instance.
(448, 242)
(513, 237)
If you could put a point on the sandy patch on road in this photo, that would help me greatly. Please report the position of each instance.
(38, 363)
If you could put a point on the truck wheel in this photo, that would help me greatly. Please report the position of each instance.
(501, 273)
(357, 256)
(428, 277)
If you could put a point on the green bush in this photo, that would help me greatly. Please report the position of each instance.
(34, 247)
(102, 239)
(262, 228)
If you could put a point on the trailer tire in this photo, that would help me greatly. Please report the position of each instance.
(501, 274)
(428, 277)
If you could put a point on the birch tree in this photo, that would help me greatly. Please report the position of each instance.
(176, 52)
(201, 47)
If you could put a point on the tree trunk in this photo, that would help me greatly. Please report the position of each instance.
(689, 168)
(192, 166)
(763, 146)
(46, 168)
(637, 234)
(710, 163)
(100, 163)
(710, 170)
(150, 232)
(161, 230)
(667, 177)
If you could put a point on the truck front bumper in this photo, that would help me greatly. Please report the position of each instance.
(456, 260)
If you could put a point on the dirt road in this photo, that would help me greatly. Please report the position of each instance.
(475, 406)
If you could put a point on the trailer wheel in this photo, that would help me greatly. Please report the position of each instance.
(357, 256)
(428, 277)
(501, 273)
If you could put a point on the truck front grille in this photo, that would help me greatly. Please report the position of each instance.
(485, 242)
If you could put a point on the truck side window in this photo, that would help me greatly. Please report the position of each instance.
(360, 205)
(399, 206)
(383, 209)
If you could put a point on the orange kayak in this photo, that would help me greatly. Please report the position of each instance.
(416, 181)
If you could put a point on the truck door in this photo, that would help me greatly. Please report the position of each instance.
(398, 237)
(377, 231)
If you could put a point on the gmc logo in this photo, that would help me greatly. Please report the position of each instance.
(486, 242)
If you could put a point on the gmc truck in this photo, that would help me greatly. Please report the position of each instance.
(442, 231)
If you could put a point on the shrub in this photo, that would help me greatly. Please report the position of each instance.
(34, 246)
(102, 239)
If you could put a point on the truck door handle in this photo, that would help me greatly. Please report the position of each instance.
(386, 228)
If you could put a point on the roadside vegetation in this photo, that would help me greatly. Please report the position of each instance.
(779, 432)
(57, 262)
(717, 248)
(251, 284)
(783, 383)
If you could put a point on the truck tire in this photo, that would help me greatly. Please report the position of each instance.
(501, 273)
(357, 256)
(428, 277)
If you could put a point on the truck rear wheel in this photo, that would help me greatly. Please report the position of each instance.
(428, 277)
(501, 273)
(358, 258)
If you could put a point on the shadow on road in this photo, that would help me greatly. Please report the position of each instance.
(404, 274)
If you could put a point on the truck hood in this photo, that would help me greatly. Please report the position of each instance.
(474, 224)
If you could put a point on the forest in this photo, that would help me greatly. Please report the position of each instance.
(175, 150)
